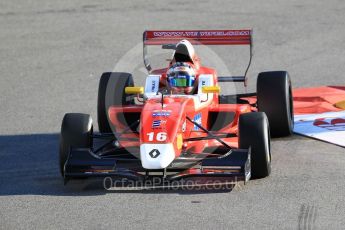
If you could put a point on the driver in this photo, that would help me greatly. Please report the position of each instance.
(181, 78)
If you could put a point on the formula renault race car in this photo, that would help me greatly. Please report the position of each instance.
(178, 124)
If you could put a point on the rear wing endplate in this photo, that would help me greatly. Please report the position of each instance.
(169, 38)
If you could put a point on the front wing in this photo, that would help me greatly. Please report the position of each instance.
(83, 162)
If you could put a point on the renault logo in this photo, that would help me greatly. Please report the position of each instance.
(154, 153)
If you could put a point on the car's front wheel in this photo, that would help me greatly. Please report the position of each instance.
(76, 131)
(254, 133)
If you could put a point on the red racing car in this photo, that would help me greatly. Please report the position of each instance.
(178, 124)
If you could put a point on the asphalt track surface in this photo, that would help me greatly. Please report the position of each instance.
(52, 54)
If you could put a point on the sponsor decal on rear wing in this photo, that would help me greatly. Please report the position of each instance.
(196, 37)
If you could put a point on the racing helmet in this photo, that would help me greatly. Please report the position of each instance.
(181, 77)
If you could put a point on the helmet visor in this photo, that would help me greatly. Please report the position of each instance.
(181, 79)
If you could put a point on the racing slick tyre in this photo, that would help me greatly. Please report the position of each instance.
(111, 91)
(254, 133)
(274, 97)
(76, 131)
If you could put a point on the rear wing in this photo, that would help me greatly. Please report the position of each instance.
(168, 39)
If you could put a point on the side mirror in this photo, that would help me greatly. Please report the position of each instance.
(211, 89)
(340, 104)
(134, 90)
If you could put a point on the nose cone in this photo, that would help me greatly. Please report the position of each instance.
(156, 156)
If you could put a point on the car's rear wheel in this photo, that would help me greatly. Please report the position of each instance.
(254, 133)
(76, 131)
(274, 97)
(111, 91)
